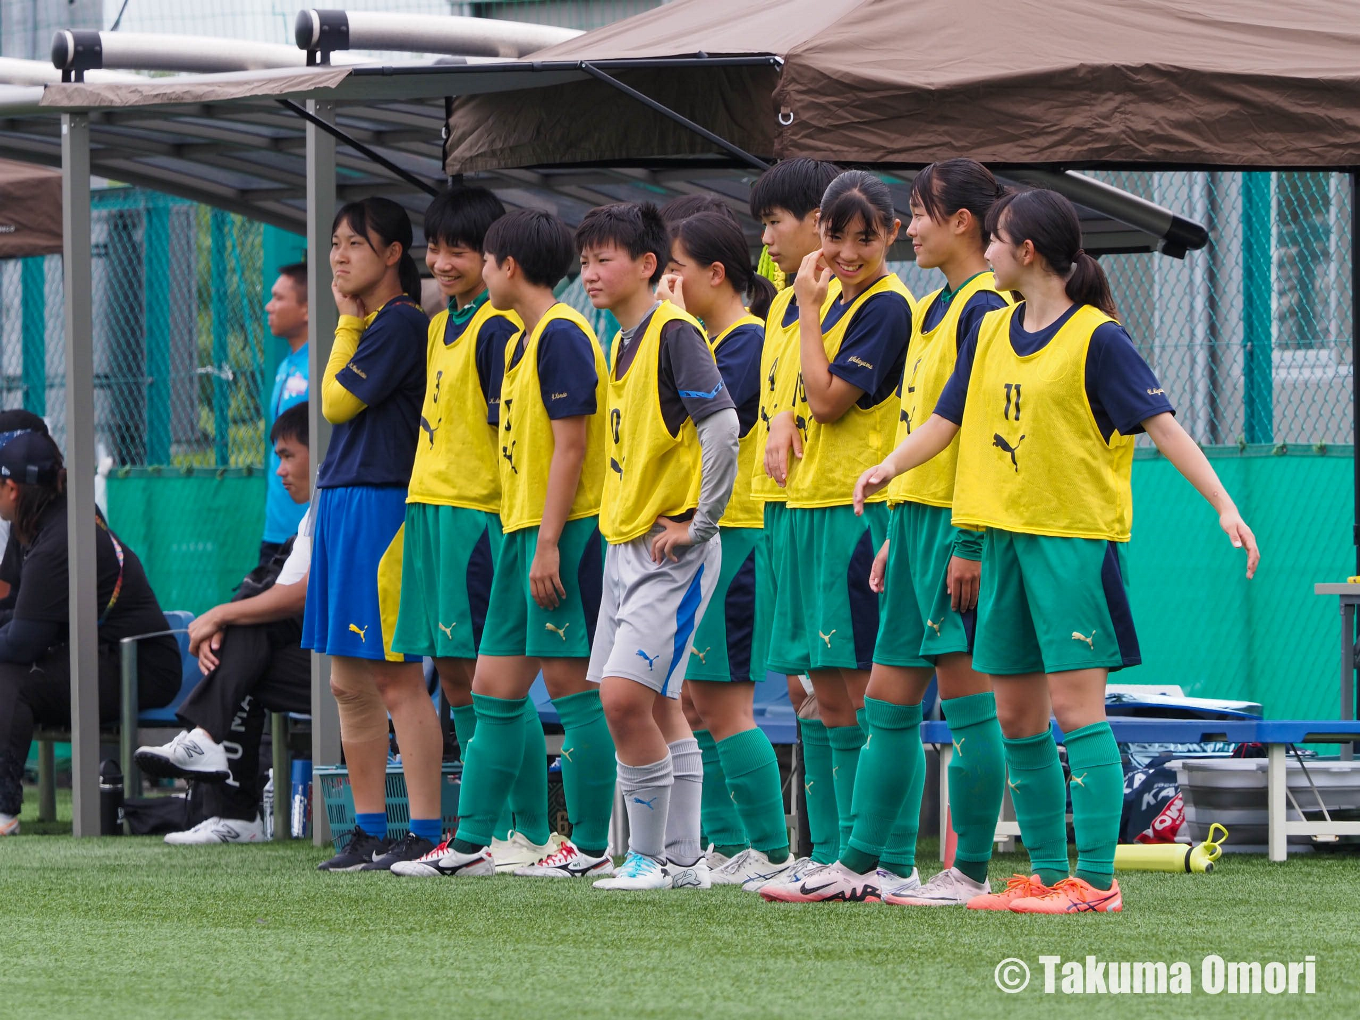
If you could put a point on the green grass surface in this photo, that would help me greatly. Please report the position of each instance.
(121, 927)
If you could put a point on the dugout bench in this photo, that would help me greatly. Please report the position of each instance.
(1280, 737)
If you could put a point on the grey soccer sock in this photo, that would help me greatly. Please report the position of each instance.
(646, 793)
(682, 821)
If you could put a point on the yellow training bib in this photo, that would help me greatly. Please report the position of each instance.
(1031, 457)
(743, 511)
(835, 454)
(651, 472)
(526, 438)
(778, 384)
(930, 363)
(457, 450)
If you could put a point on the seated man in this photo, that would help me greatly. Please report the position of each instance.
(250, 653)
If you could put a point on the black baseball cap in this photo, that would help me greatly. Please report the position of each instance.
(28, 457)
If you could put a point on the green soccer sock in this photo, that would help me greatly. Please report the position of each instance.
(846, 742)
(465, 728)
(1097, 800)
(588, 769)
(901, 766)
(529, 796)
(977, 779)
(753, 776)
(819, 790)
(719, 819)
(1036, 782)
(490, 766)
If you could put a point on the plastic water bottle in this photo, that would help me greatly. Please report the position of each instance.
(268, 806)
(110, 798)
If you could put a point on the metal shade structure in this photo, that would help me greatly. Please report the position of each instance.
(284, 145)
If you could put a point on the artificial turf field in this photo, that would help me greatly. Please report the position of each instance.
(123, 927)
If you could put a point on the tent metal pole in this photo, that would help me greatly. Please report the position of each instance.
(321, 320)
(683, 121)
(76, 264)
(360, 148)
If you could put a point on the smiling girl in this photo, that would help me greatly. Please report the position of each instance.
(371, 393)
(851, 358)
(1045, 410)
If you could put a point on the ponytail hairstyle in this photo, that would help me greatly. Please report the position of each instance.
(858, 193)
(1049, 222)
(711, 237)
(381, 218)
(943, 188)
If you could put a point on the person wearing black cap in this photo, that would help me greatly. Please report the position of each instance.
(35, 669)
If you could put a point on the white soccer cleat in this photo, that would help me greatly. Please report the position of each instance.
(520, 852)
(446, 862)
(950, 888)
(9, 825)
(637, 872)
(693, 876)
(889, 882)
(793, 874)
(834, 882)
(750, 869)
(567, 861)
(219, 830)
(192, 754)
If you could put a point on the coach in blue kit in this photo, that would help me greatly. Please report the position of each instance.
(287, 312)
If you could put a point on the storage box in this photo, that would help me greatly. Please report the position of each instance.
(1232, 792)
(335, 792)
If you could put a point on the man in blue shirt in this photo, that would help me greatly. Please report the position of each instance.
(287, 312)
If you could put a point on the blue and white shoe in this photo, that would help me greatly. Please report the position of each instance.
(750, 869)
(637, 872)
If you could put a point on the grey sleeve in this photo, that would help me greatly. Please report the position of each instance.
(718, 441)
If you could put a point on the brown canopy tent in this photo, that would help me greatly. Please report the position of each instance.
(30, 210)
(1208, 83)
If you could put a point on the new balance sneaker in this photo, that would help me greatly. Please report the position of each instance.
(890, 883)
(219, 830)
(519, 851)
(360, 850)
(833, 882)
(794, 874)
(1072, 896)
(637, 872)
(691, 876)
(750, 869)
(192, 754)
(1018, 887)
(409, 848)
(950, 888)
(9, 825)
(568, 862)
(444, 861)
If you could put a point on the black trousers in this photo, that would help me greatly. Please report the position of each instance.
(261, 667)
(39, 694)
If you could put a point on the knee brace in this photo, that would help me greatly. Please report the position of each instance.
(363, 716)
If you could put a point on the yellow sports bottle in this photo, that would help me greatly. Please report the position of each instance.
(1178, 857)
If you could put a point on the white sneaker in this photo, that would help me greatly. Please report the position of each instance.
(950, 888)
(192, 754)
(520, 852)
(637, 872)
(694, 876)
(219, 830)
(750, 869)
(9, 825)
(446, 862)
(568, 862)
(716, 860)
(891, 883)
(793, 875)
